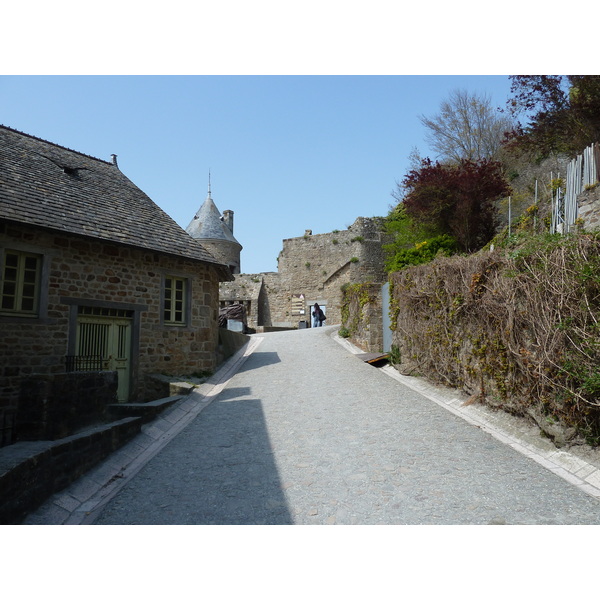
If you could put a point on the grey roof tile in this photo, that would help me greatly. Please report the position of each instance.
(47, 185)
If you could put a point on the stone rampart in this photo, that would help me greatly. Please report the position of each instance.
(312, 268)
(362, 316)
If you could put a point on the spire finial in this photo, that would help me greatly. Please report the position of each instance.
(209, 183)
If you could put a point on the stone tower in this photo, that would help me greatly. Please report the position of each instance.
(215, 233)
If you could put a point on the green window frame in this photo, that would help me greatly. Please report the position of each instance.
(20, 286)
(175, 301)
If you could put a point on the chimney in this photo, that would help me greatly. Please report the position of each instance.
(114, 159)
(228, 218)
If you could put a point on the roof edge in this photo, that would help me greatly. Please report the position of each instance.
(39, 139)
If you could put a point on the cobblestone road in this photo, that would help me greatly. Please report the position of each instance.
(306, 433)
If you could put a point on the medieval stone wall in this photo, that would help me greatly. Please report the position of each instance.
(224, 251)
(55, 406)
(30, 472)
(317, 266)
(246, 290)
(312, 268)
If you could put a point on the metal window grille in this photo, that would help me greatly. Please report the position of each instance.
(84, 363)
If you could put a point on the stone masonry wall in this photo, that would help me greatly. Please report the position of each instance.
(362, 316)
(79, 270)
(30, 472)
(589, 207)
(55, 406)
(316, 267)
(247, 290)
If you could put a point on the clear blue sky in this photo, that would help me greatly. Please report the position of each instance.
(285, 153)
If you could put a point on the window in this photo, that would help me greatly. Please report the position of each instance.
(20, 283)
(175, 301)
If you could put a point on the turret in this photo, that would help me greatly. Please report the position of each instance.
(215, 232)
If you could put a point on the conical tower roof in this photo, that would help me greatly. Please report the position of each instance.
(208, 223)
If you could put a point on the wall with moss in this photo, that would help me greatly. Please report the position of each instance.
(361, 315)
(517, 329)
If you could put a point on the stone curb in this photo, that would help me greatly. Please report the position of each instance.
(573, 469)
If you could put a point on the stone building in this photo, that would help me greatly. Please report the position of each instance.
(94, 275)
(311, 269)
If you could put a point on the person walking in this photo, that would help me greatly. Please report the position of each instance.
(318, 316)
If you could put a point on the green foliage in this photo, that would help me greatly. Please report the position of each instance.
(405, 230)
(420, 253)
(408, 247)
(344, 332)
(395, 357)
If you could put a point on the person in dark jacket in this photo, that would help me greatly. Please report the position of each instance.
(318, 316)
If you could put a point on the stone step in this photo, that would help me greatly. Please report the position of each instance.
(146, 410)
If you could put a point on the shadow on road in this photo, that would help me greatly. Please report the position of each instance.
(258, 360)
(237, 478)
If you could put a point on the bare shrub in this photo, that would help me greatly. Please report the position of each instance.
(518, 329)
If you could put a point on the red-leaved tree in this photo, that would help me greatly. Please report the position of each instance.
(459, 200)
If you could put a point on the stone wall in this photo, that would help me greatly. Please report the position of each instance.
(317, 266)
(225, 251)
(30, 472)
(589, 207)
(362, 316)
(312, 268)
(78, 271)
(246, 289)
(55, 406)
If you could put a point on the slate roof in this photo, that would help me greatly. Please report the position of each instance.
(53, 187)
(207, 224)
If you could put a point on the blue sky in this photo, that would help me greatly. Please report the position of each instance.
(285, 153)
(305, 115)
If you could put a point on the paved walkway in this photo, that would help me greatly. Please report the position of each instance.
(295, 429)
